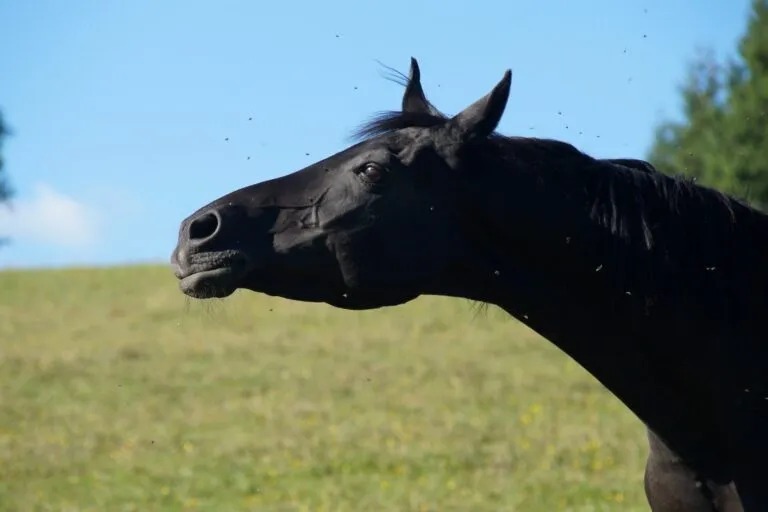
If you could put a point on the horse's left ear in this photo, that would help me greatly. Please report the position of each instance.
(480, 119)
(414, 99)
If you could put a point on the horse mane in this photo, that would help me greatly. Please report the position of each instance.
(390, 121)
(639, 205)
(507, 148)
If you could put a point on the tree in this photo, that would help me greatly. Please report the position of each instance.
(723, 137)
(5, 189)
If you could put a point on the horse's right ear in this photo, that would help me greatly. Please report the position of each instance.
(414, 99)
(479, 120)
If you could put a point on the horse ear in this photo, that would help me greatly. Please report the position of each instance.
(480, 119)
(414, 99)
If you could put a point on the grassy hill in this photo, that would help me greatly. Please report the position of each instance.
(117, 394)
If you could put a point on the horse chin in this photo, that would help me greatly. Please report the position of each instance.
(329, 290)
(357, 301)
(349, 300)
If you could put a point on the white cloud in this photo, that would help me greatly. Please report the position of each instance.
(50, 217)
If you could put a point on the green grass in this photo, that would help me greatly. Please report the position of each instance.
(118, 394)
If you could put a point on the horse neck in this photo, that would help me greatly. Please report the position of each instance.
(571, 239)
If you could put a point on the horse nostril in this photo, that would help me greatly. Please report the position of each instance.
(204, 227)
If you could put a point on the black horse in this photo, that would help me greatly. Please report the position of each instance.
(653, 283)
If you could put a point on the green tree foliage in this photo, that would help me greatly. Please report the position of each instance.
(723, 137)
(5, 189)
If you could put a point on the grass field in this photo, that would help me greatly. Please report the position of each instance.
(120, 395)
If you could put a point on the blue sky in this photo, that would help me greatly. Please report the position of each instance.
(121, 110)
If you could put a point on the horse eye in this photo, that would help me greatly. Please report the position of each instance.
(372, 172)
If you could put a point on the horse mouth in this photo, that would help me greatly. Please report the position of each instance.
(212, 276)
(216, 283)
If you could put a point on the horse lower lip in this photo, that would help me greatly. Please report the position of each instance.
(209, 283)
